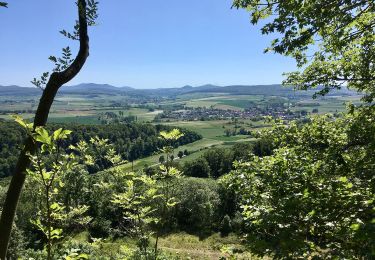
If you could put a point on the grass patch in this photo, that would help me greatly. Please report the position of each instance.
(179, 245)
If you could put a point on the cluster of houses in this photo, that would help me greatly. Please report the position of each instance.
(202, 113)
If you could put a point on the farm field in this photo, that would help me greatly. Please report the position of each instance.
(88, 109)
(232, 102)
(326, 105)
(84, 108)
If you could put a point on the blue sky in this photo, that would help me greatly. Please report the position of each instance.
(141, 43)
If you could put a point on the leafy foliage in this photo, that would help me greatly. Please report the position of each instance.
(198, 211)
(332, 42)
(147, 201)
(138, 204)
(48, 165)
(314, 195)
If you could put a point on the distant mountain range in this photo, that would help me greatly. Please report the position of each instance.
(92, 88)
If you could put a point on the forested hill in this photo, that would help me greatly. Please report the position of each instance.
(131, 141)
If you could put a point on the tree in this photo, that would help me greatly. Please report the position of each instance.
(198, 168)
(166, 177)
(219, 161)
(170, 138)
(242, 150)
(65, 70)
(305, 198)
(48, 166)
(199, 205)
(138, 204)
(332, 41)
(228, 132)
(314, 195)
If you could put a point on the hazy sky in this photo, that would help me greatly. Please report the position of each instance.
(141, 43)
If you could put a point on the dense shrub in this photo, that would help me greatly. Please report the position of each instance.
(225, 226)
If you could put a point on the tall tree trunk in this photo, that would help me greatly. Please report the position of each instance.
(56, 80)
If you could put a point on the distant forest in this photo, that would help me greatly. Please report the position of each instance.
(131, 141)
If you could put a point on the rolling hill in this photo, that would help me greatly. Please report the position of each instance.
(93, 88)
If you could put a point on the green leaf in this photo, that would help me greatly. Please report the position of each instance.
(42, 136)
(46, 175)
(343, 179)
(21, 122)
(83, 256)
(52, 58)
(57, 133)
(55, 206)
(355, 227)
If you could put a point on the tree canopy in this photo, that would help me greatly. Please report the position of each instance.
(333, 42)
(314, 195)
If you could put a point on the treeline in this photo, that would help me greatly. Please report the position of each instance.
(130, 141)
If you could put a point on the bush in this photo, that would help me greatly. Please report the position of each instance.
(225, 226)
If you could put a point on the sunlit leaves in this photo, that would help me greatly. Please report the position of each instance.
(41, 135)
(60, 134)
(27, 126)
(315, 191)
(332, 42)
(139, 202)
(50, 166)
(147, 200)
(171, 135)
